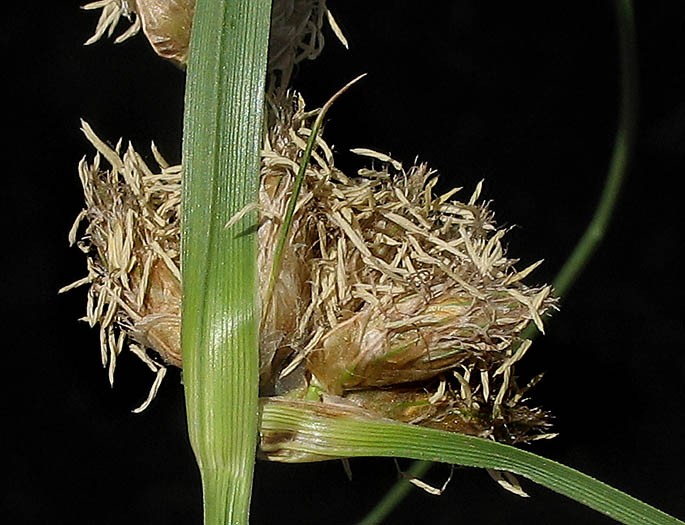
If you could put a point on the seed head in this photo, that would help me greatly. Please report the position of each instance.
(389, 297)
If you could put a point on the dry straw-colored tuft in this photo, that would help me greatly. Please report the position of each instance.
(296, 29)
(405, 302)
(389, 296)
(132, 241)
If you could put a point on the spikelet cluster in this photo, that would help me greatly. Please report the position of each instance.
(389, 297)
(392, 297)
(132, 242)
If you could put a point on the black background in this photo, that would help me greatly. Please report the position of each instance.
(523, 95)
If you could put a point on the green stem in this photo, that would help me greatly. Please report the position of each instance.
(221, 155)
(596, 230)
(621, 155)
(396, 494)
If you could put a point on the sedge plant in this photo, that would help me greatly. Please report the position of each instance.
(315, 315)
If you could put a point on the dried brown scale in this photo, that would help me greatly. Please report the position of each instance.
(159, 327)
(389, 298)
(166, 24)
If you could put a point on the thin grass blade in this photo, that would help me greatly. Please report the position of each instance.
(293, 429)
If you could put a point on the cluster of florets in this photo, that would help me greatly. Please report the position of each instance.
(389, 296)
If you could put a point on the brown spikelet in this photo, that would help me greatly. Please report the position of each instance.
(296, 30)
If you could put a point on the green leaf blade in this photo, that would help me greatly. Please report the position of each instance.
(221, 156)
(313, 431)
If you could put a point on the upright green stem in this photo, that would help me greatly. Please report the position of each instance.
(221, 156)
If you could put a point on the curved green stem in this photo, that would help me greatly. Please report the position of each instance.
(596, 230)
(621, 155)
